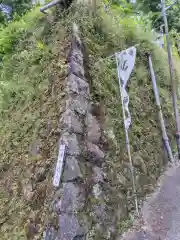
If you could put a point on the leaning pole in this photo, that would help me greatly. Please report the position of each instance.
(171, 69)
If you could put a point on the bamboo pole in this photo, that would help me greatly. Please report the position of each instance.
(171, 69)
(160, 114)
(127, 143)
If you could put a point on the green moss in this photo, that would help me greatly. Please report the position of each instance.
(124, 225)
(31, 87)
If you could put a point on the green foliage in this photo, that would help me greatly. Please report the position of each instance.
(122, 6)
(2, 19)
(31, 98)
(19, 7)
(104, 35)
(125, 225)
(153, 7)
(152, 12)
(148, 5)
(11, 34)
(117, 33)
(173, 15)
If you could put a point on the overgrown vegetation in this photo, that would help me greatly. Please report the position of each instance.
(16, 9)
(106, 36)
(152, 9)
(10, 35)
(33, 67)
(31, 88)
(146, 143)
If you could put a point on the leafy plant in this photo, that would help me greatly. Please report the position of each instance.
(10, 35)
(19, 7)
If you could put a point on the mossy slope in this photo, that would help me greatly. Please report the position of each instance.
(31, 99)
(107, 33)
(32, 75)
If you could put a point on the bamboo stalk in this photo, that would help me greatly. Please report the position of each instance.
(160, 114)
(171, 70)
(128, 143)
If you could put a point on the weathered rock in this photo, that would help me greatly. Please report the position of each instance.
(50, 234)
(58, 194)
(72, 84)
(72, 170)
(97, 192)
(94, 153)
(34, 148)
(28, 192)
(71, 121)
(31, 230)
(80, 238)
(71, 142)
(76, 41)
(76, 69)
(77, 56)
(99, 212)
(78, 104)
(73, 198)
(93, 129)
(139, 235)
(77, 85)
(56, 202)
(98, 231)
(95, 109)
(69, 227)
(98, 175)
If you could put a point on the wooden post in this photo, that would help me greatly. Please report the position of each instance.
(156, 94)
(171, 69)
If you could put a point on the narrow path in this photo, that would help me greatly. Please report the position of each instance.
(161, 211)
